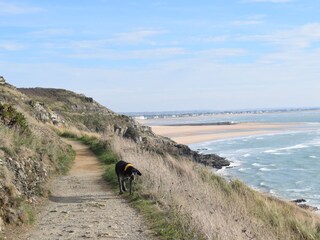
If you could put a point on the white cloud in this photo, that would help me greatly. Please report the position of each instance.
(9, 8)
(251, 20)
(220, 52)
(211, 39)
(155, 53)
(159, 53)
(50, 32)
(128, 38)
(246, 22)
(11, 46)
(277, 80)
(137, 36)
(299, 37)
(292, 57)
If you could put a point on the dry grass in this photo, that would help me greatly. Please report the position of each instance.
(213, 207)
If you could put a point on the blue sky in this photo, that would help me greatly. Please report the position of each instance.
(159, 55)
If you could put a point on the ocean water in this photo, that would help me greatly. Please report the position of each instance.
(281, 117)
(285, 164)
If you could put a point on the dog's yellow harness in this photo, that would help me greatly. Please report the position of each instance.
(128, 165)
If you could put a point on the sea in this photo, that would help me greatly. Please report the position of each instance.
(285, 164)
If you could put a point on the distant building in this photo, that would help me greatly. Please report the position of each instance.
(140, 117)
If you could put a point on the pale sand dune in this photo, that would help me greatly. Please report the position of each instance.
(195, 134)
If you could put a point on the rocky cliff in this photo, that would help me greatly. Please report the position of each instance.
(88, 115)
(31, 151)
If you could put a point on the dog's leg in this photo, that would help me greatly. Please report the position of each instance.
(124, 185)
(120, 184)
(131, 186)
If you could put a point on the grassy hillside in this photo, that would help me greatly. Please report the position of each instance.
(200, 205)
(30, 152)
(181, 198)
(204, 205)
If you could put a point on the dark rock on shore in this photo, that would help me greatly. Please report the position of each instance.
(303, 205)
(202, 149)
(300, 200)
(308, 207)
(212, 160)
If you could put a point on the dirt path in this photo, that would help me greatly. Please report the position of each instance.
(81, 206)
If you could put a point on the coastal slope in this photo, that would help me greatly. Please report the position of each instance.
(184, 195)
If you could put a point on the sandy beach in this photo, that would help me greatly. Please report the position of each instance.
(201, 133)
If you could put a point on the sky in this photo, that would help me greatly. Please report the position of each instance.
(166, 55)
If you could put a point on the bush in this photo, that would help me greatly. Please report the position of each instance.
(131, 133)
(12, 118)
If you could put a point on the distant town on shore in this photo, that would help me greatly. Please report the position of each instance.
(195, 113)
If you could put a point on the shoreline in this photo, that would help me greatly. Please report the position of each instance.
(197, 133)
(200, 124)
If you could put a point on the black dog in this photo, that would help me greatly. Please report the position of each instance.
(126, 171)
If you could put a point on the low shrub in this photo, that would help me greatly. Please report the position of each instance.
(12, 118)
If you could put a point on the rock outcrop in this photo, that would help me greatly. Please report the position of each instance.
(301, 203)
(2, 80)
(44, 114)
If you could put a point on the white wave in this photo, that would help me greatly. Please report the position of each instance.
(222, 172)
(263, 169)
(271, 151)
(272, 192)
(247, 155)
(258, 165)
(262, 165)
(281, 153)
(315, 143)
(277, 150)
(242, 169)
(235, 163)
(298, 190)
(313, 157)
(315, 196)
(298, 146)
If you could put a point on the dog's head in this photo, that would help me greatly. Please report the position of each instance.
(134, 172)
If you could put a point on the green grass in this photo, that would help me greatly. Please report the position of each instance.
(65, 161)
(167, 224)
(27, 212)
(30, 213)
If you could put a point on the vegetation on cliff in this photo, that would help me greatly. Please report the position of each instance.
(185, 200)
(174, 188)
(29, 154)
